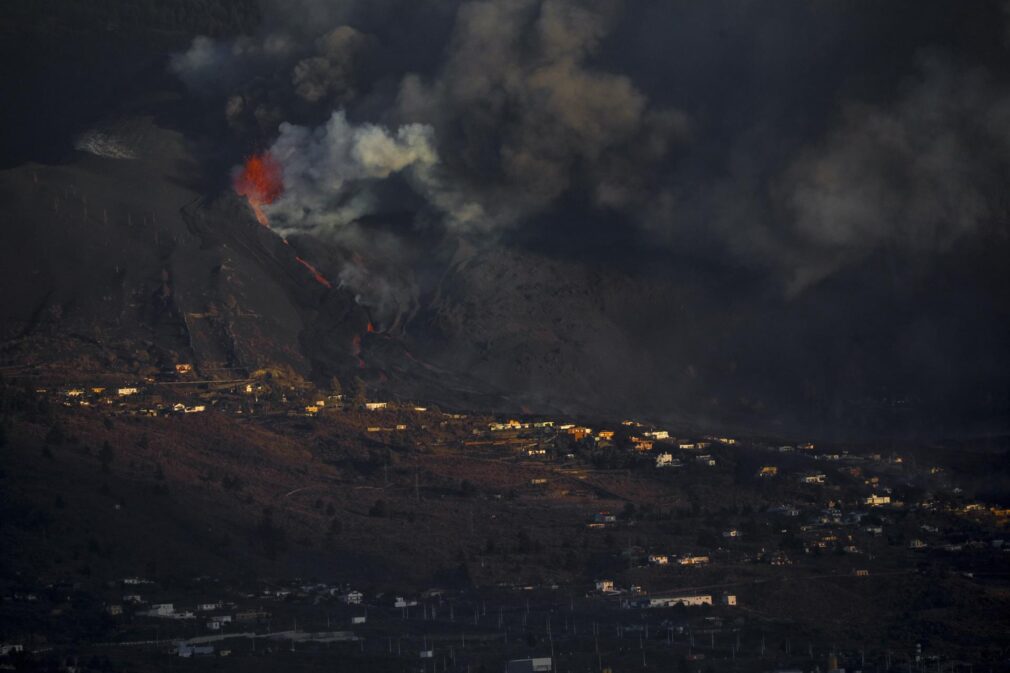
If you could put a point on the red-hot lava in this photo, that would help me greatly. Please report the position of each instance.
(371, 327)
(320, 278)
(261, 181)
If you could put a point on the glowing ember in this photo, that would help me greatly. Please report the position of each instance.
(320, 278)
(261, 182)
(371, 328)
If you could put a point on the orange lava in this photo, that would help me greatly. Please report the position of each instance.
(371, 328)
(320, 278)
(261, 182)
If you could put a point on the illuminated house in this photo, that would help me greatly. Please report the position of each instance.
(768, 471)
(878, 500)
(641, 444)
(605, 586)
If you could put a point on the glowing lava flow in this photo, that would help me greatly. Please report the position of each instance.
(261, 182)
(320, 278)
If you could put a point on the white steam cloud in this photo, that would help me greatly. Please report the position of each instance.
(328, 171)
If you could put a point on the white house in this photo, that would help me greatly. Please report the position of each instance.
(124, 392)
(374, 406)
(353, 597)
(535, 665)
(666, 460)
(659, 559)
(878, 500)
(605, 586)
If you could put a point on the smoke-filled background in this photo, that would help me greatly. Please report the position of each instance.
(787, 215)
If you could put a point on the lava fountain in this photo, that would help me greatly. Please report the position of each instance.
(260, 181)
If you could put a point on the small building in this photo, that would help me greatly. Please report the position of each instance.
(184, 368)
(375, 406)
(732, 533)
(878, 500)
(693, 560)
(666, 460)
(657, 434)
(353, 597)
(604, 517)
(605, 586)
(359, 619)
(768, 471)
(642, 444)
(534, 665)
(659, 559)
(125, 392)
(728, 599)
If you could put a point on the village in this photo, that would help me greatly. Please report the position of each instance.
(667, 549)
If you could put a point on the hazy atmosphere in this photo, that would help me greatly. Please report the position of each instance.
(330, 268)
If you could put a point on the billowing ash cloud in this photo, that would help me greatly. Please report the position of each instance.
(916, 174)
(331, 75)
(721, 130)
(328, 170)
(524, 119)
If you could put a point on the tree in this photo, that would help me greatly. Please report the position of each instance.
(106, 455)
(272, 538)
(360, 392)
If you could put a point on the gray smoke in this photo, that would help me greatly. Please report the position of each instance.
(529, 108)
(917, 174)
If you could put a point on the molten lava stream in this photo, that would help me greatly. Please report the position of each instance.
(320, 278)
(261, 182)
